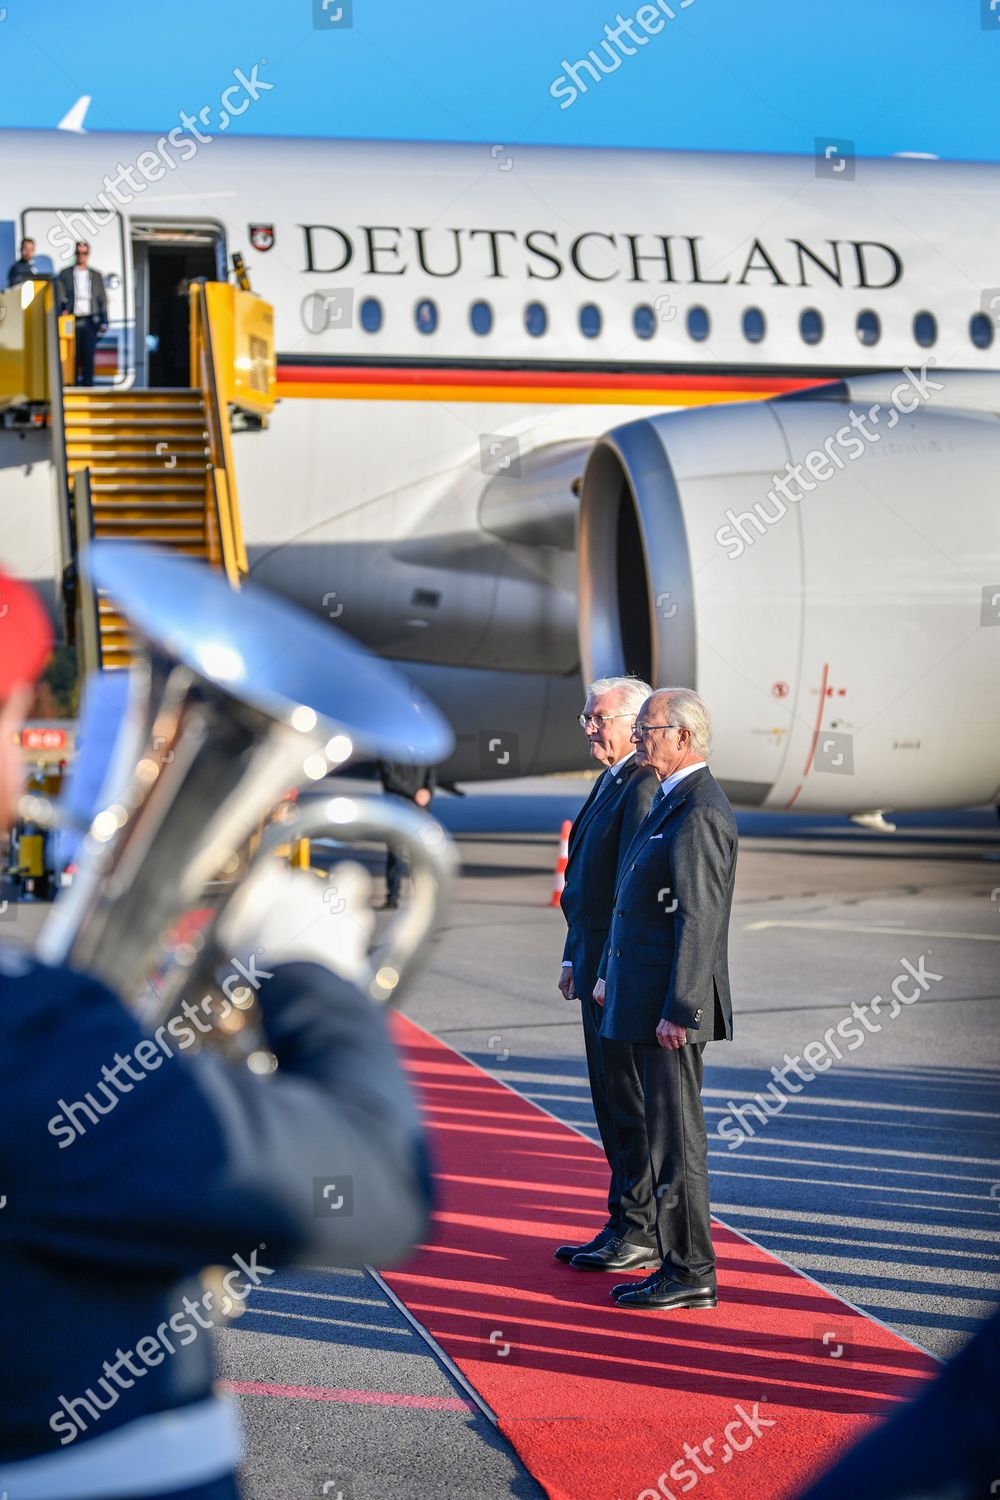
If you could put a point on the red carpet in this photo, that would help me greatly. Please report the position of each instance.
(743, 1401)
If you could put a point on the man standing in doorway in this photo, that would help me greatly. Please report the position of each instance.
(81, 292)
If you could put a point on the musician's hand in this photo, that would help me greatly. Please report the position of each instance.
(670, 1036)
(288, 916)
(599, 992)
(566, 983)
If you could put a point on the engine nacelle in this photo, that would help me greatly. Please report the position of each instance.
(825, 570)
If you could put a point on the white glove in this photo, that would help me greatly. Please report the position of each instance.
(287, 916)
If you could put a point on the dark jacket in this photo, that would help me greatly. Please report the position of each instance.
(21, 270)
(667, 954)
(603, 830)
(403, 780)
(98, 296)
(103, 1233)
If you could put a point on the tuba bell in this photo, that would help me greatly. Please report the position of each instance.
(233, 700)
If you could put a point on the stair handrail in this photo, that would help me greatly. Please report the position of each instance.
(57, 427)
(224, 505)
(87, 601)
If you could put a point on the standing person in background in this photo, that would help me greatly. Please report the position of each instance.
(604, 827)
(81, 292)
(664, 986)
(175, 336)
(414, 784)
(24, 268)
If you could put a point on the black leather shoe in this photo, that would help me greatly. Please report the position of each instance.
(633, 1286)
(664, 1294)
(617, 1254)
(567, 1252)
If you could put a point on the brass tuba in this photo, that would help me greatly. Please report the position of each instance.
(234, 699)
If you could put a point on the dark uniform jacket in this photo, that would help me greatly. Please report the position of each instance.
(603, 829)
(404, 780)
(667, 952)
(104, 1231)
(21, 270)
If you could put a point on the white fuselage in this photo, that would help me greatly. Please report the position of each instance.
(752, 276)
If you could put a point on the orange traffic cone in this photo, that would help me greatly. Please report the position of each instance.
(559, 878)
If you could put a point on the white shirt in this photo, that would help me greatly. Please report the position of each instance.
(81, 292)
(676, 776)
(612, 771)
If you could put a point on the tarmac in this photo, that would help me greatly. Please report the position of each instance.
(879, 1178)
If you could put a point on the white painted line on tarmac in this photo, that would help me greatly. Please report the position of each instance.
(973, 937)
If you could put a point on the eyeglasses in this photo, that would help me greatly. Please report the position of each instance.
(584, 719)
(639, 731)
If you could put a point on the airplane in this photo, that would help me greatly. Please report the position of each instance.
(546, 414)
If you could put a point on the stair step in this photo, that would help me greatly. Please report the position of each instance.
(129, 411)
(176, 528)
(167, 485)
(121, 423)
(156, 400)
(136, 516)
(153, 536)
(193, 526)
(143, 438)
(189, 446)
(99, 473)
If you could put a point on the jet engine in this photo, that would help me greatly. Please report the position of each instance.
(825, 569)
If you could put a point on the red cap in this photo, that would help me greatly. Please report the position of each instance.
(25, 635)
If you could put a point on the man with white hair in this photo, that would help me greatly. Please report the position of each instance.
(618, 802)
(664, 985)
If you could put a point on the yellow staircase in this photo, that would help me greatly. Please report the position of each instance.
(148, 459)
(152, 466)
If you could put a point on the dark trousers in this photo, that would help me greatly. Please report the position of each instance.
(395, 869)
(591, 1014)
(655, 1101)
(86, 344)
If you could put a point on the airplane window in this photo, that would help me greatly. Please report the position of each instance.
(426, 314)
(925, 329)
(753, 325)
(869, 328)
(536, 319)
(811, 326)
(371, 315)
(981, 330)
(698, 323)
(644, 321)
(590, 320)
(481, 317)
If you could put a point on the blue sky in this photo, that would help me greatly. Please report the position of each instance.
(890, 75)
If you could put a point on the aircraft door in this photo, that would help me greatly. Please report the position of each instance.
(55, 230)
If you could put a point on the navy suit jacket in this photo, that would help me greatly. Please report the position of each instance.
(603, 829)
(667, 953)
(105, 1230)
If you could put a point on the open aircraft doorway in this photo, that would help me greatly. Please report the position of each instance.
(55, 232)
(167, 258)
